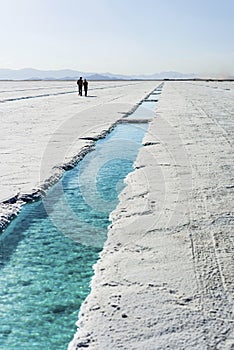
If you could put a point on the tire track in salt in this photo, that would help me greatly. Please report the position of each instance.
(57, 93)
(214, 289)
(35, 96)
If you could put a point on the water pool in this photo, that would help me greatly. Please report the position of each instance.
(48, 251)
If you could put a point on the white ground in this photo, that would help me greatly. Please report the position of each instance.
(41, 126)
(165, 277)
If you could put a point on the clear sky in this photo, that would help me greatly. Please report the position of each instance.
(119, 36)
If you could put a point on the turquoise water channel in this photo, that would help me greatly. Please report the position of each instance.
(48, 251)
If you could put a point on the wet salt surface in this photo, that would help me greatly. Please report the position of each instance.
(146, 109)
(47, 256)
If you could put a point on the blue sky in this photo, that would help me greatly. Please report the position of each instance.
(128, 36)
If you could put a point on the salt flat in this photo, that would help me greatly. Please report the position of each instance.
(45, 125)
(165, 277)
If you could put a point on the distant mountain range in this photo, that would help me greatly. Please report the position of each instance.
(68, 74)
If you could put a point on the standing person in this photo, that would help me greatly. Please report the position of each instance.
(85, 87)
(80, 84)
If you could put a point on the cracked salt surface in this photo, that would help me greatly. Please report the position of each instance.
(165, 276)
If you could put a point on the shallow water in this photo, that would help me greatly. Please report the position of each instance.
(48, 251)
(146, 110)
